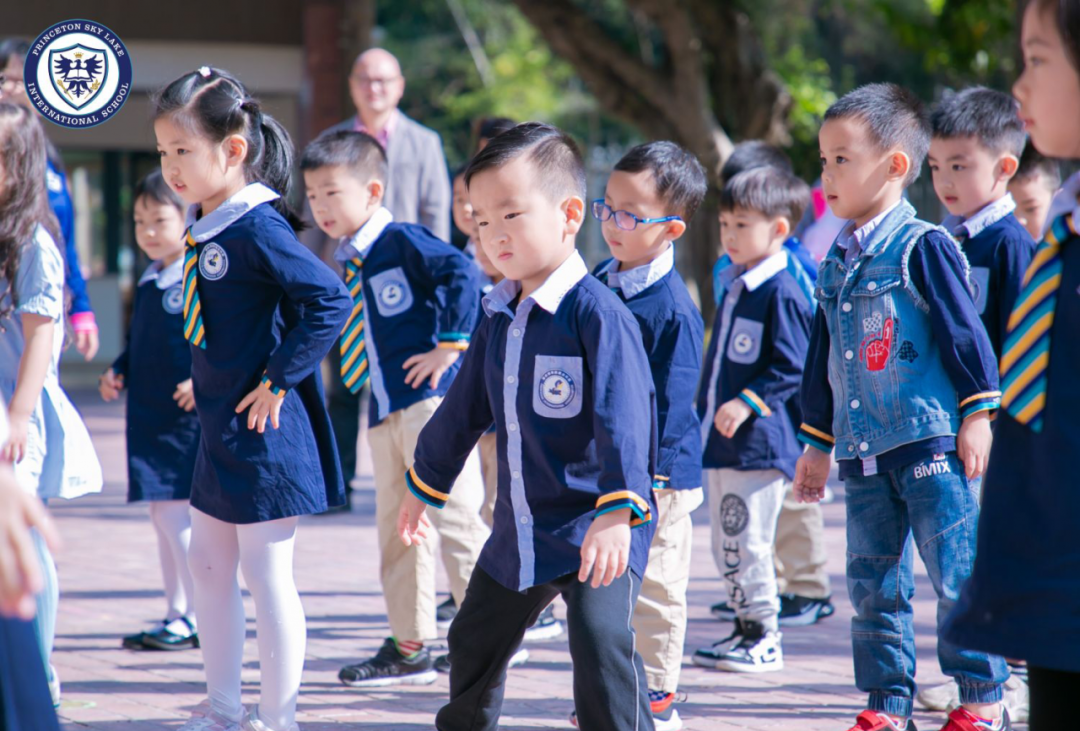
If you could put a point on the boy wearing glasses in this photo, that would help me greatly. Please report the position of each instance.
(749, 408)
(650, 184)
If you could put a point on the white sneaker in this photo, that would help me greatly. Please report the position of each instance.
(205, 718)
(252, 722)
(758, 651)
(944, 697)
(54, 686)
(1017, 699)
(519, 658)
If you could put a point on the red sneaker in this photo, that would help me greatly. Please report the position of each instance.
(874, 721)
(962, 719)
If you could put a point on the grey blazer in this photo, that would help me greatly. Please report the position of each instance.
(418, 190)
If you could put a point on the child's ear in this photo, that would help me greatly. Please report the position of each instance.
(377, 190)
(899, 165)
(1008, 165)
(574, 209)
(782, 228)
(675, 229)
(236, 150)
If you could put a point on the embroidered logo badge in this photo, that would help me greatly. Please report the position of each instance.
(877, 348)
(213, 263)
(173, 299)
(556, 389)
(392, 293)
(77, 73)
(742, 343)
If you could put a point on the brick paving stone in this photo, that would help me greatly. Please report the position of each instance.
(110, 584)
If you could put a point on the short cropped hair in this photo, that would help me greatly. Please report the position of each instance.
(991, 117)
(154, 187)
(492, 126)
(1032, 162)
(770, 191)
(358, 152)
(560, 171)
(678, 175)
(754, 154)
(894, 119)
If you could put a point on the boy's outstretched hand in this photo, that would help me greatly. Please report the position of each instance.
(973, 443)
(430, 365)
(811, 474)
(412, 522)
(605, 552)
(263, 403)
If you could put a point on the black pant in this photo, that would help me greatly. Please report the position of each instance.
(1053, 696)
(610, 692)
(25, 703)
(344, 412)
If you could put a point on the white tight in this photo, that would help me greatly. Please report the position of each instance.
(172, 523)
(264, 552)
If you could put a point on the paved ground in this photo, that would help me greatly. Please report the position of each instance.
(111, 586)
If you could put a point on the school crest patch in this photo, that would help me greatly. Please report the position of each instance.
(173, 299)
(556, 389)
(213, 263)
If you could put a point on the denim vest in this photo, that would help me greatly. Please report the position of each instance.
(889, 385)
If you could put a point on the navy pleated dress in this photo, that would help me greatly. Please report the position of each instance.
(271, 311)
(162, 438)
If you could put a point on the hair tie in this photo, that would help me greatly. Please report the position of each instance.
(204, 71)
(250, 106)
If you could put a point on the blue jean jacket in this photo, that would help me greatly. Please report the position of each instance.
(878, 326)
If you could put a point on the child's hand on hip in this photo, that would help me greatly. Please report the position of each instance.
(184, 396)
(263, 403)
(811, 474)
(730, 416)
(432, 364)
(110, 385)
(973, 443)
(605, 552)
(412, 522)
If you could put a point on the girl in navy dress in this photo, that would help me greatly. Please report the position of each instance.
(162, 428)
(260, 312)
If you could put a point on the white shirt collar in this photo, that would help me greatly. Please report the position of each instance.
(849, 233)
(987, 216)
(765, 270)
(548, 295)
(164, 277)
(234, 208)
(359, 244)
(1064, 201)
(634, 281)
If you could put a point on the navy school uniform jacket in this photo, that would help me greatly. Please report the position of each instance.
(419, 294)
(567, 385)
(162, 438)
(271, 311)
(999, 251)
(758, 358)
(1023, 597)
(673, 334)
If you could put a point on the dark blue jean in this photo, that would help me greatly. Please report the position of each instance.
(932, 502)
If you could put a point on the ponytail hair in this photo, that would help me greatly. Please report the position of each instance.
(214, 104)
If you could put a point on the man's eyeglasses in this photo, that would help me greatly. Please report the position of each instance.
(625, 220)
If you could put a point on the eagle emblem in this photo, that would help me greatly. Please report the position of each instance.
(78, 73)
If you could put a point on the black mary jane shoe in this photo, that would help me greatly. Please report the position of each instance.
(163, 639)
(135, 641)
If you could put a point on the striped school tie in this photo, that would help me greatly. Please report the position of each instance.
(354, 363)
(1026, 353)
(193, 323)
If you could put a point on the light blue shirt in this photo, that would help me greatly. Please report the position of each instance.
(634, 281)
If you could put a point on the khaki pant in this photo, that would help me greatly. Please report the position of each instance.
(408, 573)
(660, 612)
(489, 465)
(800, 550)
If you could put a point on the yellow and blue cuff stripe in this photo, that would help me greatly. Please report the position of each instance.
(454, 341)
(269, 386)
(985, 401)
(816, 438)
(640, 511)
(659, 482)
(424, 492)
(755, 402)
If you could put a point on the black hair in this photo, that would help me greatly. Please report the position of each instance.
(24, 204)
(771, 191)
(13, 46)
(754, 154)
(894, 119)
(359, 152)
(214, 103)
(1033, 162)
(491, 126)
(989, 116)
(560, 171)
(679, 176)
(154, 187)
(1066, 15)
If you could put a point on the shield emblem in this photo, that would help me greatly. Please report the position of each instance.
(78, 73)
